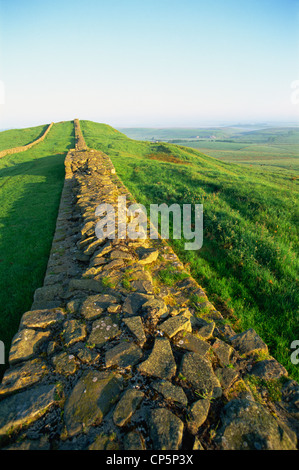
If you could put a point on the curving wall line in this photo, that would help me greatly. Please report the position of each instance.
(23, 148)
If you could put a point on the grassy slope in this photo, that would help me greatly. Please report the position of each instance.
(30, 187)
(271, 147)
(248, 263)
(19, 137)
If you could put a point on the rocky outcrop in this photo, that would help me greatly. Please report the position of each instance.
(3, 153)
(111, 358)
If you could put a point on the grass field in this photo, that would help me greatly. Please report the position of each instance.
(248, 264)
(20, 137)
(30, 187)
(277, 147)
(281, 155)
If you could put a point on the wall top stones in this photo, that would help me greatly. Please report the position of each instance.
(80, 141)
(111, 358)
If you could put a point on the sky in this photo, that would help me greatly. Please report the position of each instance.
(149, 63)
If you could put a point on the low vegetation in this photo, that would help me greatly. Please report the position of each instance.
(30, 187)
(19, 137)
(248, 264)
(276, 147)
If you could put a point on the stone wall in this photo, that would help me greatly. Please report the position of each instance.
(123, 350)
(3, 153)
(80, 141)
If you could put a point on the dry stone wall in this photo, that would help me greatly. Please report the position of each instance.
(80, 141)
(112, 357)
(3, 153)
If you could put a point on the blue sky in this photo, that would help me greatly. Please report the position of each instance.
(148, 62)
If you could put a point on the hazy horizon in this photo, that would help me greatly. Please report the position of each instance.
(211, 125)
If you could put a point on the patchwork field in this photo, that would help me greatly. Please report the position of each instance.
(278, 147)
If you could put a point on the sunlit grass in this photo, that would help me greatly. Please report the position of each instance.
(30, 187)
(248, 263)
(19, 137)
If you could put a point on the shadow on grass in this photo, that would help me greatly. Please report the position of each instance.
(30, 200)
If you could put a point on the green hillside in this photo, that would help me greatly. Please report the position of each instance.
(248, 263)
(30, 187)
(276, 147)
(19, 137)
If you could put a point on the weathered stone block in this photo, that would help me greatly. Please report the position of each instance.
(247, 425)
(25, 407)
(74, 331)
(41, 318)
(135, 326)
(103, 330)
(166, 429)
(199, 373)
(197, 415)
(126, 407)
(175, 324)
(161, 362)
(171, 392)
(92, 397)
(248, 342)
(192, 343)
(22, 376)
(26, 344)
(124, 354)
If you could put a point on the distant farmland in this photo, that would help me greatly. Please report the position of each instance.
(277, 147)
